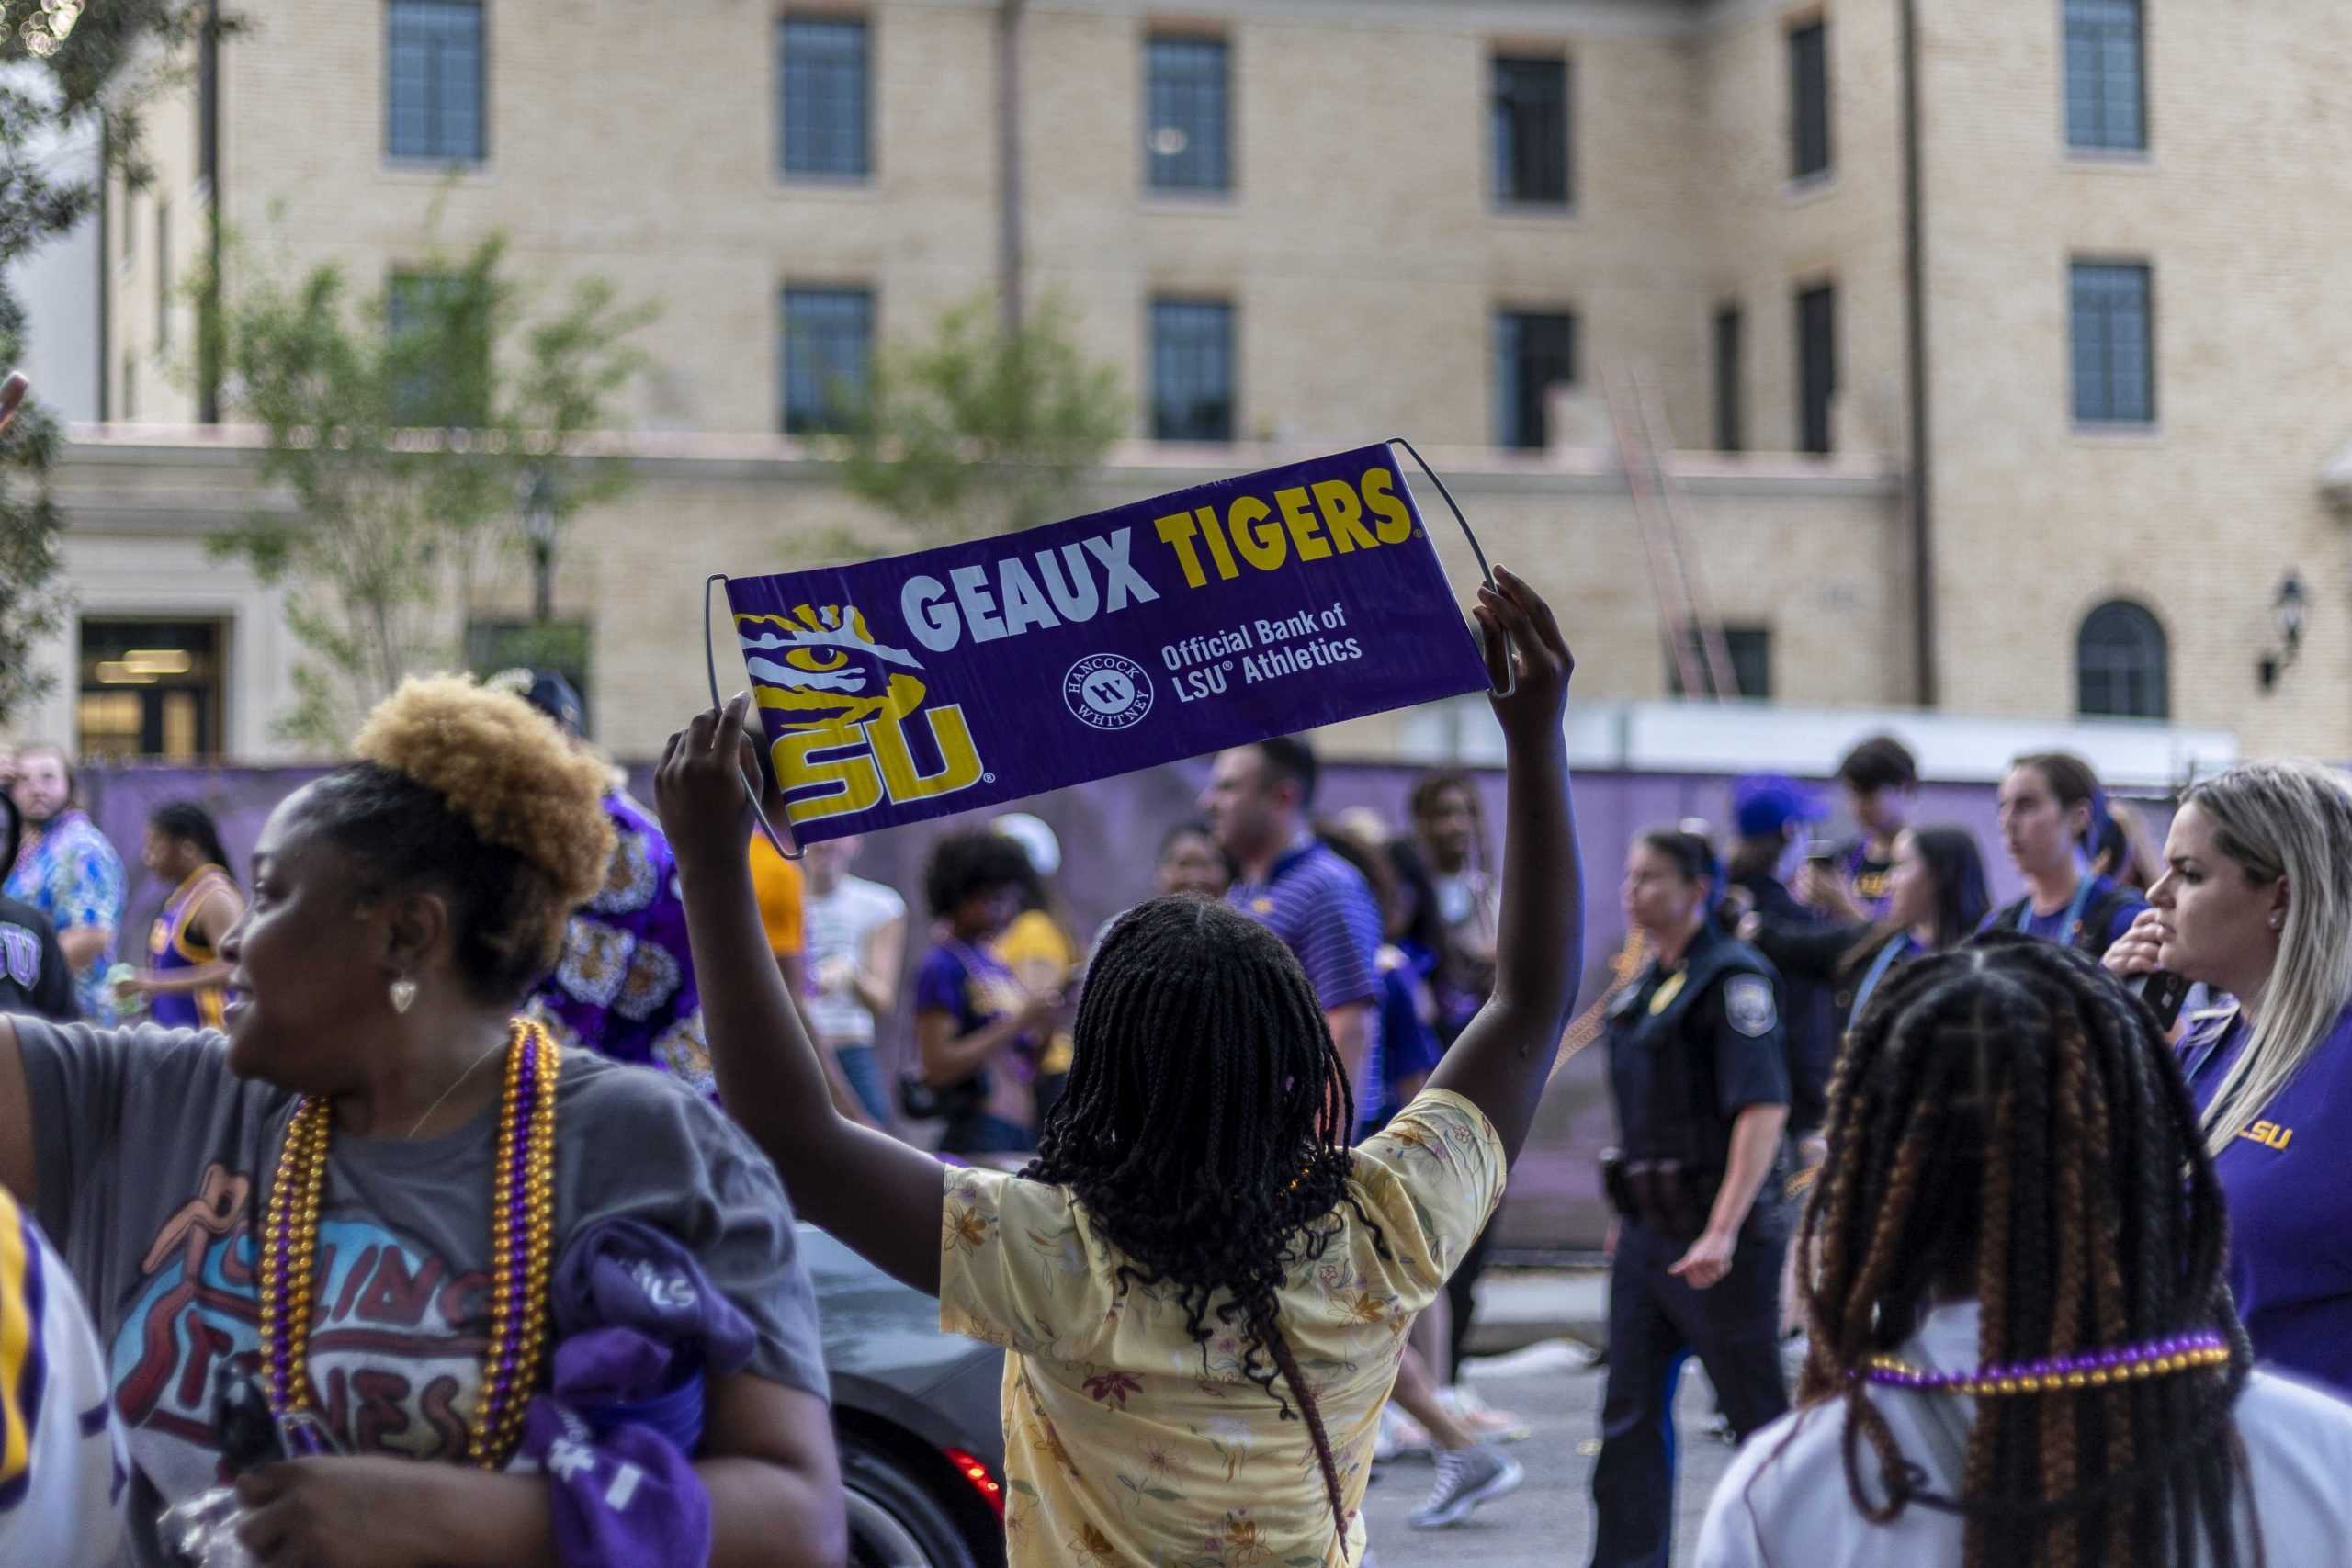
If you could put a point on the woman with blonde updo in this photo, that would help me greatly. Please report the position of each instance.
(364, 1195)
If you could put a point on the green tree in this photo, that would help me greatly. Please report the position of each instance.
(70, 76)
(405, 429)
(985, 427)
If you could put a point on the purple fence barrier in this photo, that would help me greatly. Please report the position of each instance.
(1109, 831)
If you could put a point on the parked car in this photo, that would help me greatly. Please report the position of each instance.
(916, 1411)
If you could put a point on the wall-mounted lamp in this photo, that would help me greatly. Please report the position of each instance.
(2287, 616)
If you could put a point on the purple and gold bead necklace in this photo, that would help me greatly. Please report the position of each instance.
(522, 1234)
(2086, 1369)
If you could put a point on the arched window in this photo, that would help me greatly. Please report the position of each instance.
(2121, 664)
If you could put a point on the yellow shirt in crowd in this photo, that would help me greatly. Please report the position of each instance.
(1125, 1441)
(1037, 949)
(776, 881)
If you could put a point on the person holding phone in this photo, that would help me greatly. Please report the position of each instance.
(2255, 901)
(1854, 882)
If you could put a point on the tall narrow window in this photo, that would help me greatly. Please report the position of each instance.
(2114, 348)
(129, 386)
(1816, 366)
(2106, 105)
(1534, 351)
(827, 355)
(163, 275)
(2121, 664)
(1529, 114)
(822, 66)
(1187, 130)
(1809, 100)
(433, 81)
(1729, 425)
(1191, 370)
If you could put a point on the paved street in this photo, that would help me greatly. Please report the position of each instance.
(1547, 1523)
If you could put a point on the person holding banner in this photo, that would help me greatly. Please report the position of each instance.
(1194, 1232)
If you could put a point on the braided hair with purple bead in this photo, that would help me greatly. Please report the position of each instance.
(2006, 1123)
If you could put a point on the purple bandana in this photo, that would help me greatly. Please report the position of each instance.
(638, 1329)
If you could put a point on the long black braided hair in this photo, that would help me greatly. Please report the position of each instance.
(2006, 1123)
(1204, 1129)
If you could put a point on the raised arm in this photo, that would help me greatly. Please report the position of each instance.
(1503, 1059)
(877, 1195)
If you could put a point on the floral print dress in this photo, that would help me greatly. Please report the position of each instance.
(1128, 1442)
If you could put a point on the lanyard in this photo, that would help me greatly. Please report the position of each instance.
(2073, 909)
(1887, 954)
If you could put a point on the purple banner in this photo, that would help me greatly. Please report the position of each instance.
(901, 689)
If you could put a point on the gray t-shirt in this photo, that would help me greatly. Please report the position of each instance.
(153, 1165)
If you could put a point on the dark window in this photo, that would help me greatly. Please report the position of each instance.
(438, 324)
(1809, 100)
(1816, 366)
(1751, 650)
(1728, 425)
(1533, 351)
(1191, 370)
(1531, 132)
(150, 688)
(821, 62)
(433, 86)
(129, 386)
(2121, 664)
(162, 274)
(2105, 93)
(1185, 126)
(828, 349)
(2115, 364)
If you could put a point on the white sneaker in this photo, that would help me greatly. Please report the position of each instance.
(1465, 1478)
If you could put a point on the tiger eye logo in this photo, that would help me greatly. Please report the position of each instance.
(820, 667)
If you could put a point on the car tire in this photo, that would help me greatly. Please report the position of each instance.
(895, 1519)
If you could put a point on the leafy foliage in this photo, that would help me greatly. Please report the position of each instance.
(985, 427)
(403, 428)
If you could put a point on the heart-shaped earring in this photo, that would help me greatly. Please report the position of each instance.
(403, 995)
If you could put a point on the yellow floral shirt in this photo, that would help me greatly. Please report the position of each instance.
(1127, 1443)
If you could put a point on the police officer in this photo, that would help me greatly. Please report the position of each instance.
(1697, 1069)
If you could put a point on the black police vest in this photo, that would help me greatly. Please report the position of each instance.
(1680, 1085)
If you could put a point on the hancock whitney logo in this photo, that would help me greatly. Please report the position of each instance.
(845, 700)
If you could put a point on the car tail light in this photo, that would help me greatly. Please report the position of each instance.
(990, 1489)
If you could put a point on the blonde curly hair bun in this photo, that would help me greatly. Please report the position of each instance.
(505, 769)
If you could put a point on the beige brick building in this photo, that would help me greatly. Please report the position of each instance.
(2078, 374)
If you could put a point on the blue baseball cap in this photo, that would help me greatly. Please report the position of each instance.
(1763, 805)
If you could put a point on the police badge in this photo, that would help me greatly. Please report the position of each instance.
(1748, 1003)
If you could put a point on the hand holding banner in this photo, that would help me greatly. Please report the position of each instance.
(911, 687)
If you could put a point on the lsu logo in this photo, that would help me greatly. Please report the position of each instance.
(845, 700)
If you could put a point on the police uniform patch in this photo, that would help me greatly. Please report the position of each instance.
(1748, 1003)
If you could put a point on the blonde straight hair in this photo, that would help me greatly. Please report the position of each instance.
(2291, 819)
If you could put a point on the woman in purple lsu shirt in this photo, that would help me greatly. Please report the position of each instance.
(2256, 900)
